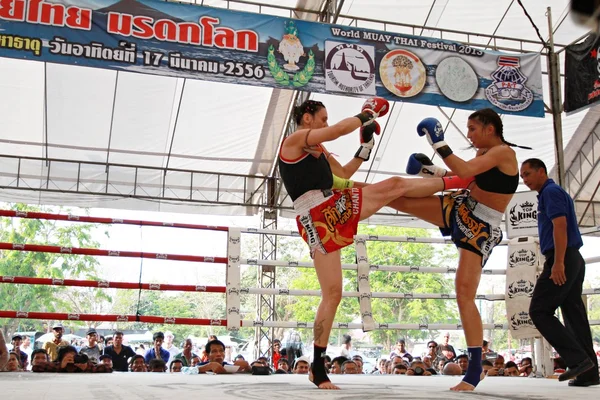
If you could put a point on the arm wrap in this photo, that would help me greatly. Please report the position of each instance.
(341, 183)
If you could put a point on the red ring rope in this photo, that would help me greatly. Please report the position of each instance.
(112, 318)
(100, 220)
(115, 285)
(111, 253)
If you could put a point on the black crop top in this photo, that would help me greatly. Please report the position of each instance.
(496, 181)
(307, 173)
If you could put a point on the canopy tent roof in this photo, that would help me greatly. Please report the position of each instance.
(88, 137)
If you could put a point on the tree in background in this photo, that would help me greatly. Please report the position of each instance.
(46, 265)
(399, 310)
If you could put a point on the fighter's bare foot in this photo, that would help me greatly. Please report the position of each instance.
(323, 384)
(463, 387)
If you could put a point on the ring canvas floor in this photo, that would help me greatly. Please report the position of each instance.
(150, 386)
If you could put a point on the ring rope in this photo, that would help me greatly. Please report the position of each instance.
(109, 253)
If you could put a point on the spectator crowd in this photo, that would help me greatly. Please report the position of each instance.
(100, 355)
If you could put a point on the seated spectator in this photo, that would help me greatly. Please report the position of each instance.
(441, 362)
(195, 361)
(282, 366)
(452, 368)
(486, 365)
(14, 362)
(399, 369)
(526, 366)
(336, 364)
(511, 369)
(417, 368)
(39, 356)
(264, 361)
(119, 353)
(16, 343)
(186, 355)
(301, 366)
(380, 369)
(137, 363)
(327, 362)
(157, 365)
(389, 366)
(176, 366)
(216, 359)
(349, 368)
(398, 360)
(499, 362)
(463, 362)
(69, 361)
(106, 360)
(359, 364)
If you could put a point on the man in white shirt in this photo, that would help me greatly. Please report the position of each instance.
(168, 345)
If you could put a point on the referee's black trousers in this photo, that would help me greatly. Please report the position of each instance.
(573, 340)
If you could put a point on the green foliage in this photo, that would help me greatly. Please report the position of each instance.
(593, 303)
(387, 309)
(46, 265)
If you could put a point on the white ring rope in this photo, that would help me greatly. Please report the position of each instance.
(382, 295)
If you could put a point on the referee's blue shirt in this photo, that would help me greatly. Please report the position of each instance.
(554, 202)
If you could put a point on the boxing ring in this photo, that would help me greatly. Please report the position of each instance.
(246, 386)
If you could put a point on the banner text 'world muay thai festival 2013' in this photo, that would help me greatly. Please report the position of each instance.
(195, 42)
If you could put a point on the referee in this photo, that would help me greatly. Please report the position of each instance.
(561, 281)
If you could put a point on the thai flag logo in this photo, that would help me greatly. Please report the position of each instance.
(508, 61)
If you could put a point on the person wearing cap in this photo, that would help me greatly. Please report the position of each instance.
(106, 360)
(16, 343)
(92, 350)
(170, 347)
(157, 351)
(301, 365)
(52, 346)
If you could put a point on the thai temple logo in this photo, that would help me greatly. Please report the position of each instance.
(292, 51)
(508, 91)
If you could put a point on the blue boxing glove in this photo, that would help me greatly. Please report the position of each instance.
(432, 129)
(420, 164)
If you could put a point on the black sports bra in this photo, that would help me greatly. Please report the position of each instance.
(496, 181)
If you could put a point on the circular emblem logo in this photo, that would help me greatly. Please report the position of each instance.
(456, 79)
(402, 73)
(351, 68)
